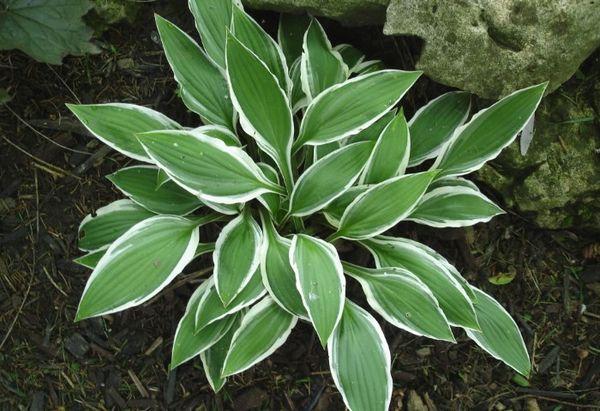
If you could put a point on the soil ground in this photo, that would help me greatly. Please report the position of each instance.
(52, 175)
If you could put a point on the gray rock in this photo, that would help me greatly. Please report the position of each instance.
(493, 47)
(349, 12)
(557, 183)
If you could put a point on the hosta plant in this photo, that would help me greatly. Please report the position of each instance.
(302, 148)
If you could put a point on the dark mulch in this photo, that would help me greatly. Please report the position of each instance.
(51, 176)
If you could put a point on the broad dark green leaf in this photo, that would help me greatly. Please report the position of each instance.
(139, 184)
(454, 206)
(252, 35)
(290, 34)
(264, 328)
(138, 265)
(213, 18)
(108, 223)
(211, 308)
(347, 108)
(390, 154)
(236, 256)
(403, 300)
(265, 113)
(204, 89)
(372, 212)
(321, 66)
(277, 273)
(213, 359)
(117, 124)
(433, 125)
(360, 361)
(448, 290)
(328, 178)
(488, 132)
(320, 281)
(186, 343)
(499, 334)
(207, 167)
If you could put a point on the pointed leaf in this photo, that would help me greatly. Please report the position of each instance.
(433, 125)
(138, 265)
(277, 273)
(320, 281)
(372, 212)
(403, 300)
(211, 308)
(363, 378)
(347, 108)
(187, 344)
(213, 18)
(499, 334)
(351, 55)
(116, 125)
(390, 154)
(204, 89)
(213, 359)
(454, 207)
(206, 167)
(290, 34)
(225, 135)
(321, 66)
(298, 99)
(91, 259)
(263, 106)
(402, 253)
(328, 178)
(264, 328)
(108, 223)
(139, 183)
(452, 182)
(236, 256)
(488, 132)
(252, 35)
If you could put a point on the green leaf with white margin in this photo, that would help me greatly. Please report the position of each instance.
(372, 212)
(298, 100)
(403, 300)
(488, 132)
(187, 344)
(91, 259)
(212, 18)
(324, 149)
(252, 35)
(271, 201)
(320, 281)
(453, 206)
(368, 67)
(347, 108)
(264, 328)
(448, 290)
(203, 87)
(139, 184)
(116, 125)
(390, 154)
(434, 123)
(277, 273)
(213, 358)
(211, 308)
(453, 182)
(328, 178)
(138, 265)
(225, 135)
(207, 167)
(161, 178)
(363, 378)
(335, 210)
(499, 335)
(290, 34)
(108, 223)
(321, 66)
(351, 55)
(264, 109)
(373, 132)
(236, 256)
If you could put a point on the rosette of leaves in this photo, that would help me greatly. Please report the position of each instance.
(301, 147)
